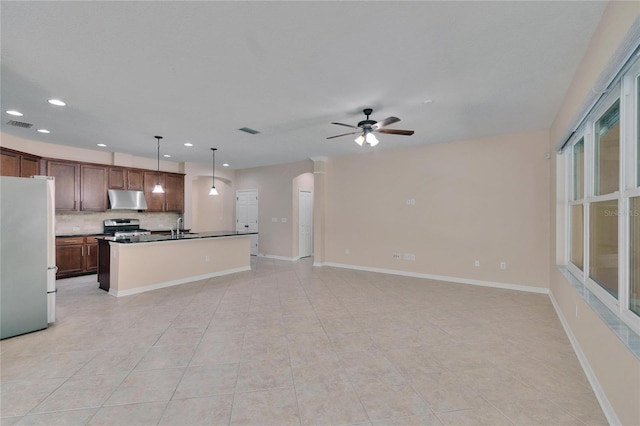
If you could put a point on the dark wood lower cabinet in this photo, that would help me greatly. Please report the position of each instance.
(77, 255)
(69, 258)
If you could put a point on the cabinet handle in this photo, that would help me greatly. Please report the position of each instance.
(88, 250)
(82, 248)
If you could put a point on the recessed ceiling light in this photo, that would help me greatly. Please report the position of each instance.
(225, 165)
(166, 156)
(14, 112)
(427, 101)
(188, 144)
(101, 145)
(43, 131)
(56, 102)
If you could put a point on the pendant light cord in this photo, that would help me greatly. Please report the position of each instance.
(158, 170)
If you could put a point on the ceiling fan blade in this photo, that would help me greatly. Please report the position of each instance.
(396, 132)
(346, 125)
(385, 122)
(344, 134)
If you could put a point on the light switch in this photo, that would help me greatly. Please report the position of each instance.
(283, 220)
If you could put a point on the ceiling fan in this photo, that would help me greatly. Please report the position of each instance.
(369, 127)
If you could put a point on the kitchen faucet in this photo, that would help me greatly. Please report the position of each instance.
(179, 222)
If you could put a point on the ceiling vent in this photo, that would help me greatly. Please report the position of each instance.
(20, 124)
(249, 130)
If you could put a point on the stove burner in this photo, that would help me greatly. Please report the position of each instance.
(122, 228)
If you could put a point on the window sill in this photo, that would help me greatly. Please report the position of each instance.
(629, 337)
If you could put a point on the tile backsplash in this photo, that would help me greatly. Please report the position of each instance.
(91, 223)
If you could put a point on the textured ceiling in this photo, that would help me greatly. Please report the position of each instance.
(198, 71)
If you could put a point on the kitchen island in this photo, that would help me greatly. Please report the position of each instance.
(148, 262)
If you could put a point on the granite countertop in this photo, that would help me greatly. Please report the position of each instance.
(94, 234)
(186, 236)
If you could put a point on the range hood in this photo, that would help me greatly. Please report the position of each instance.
(126, 200)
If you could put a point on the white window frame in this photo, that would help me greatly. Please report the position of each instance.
(627, 92)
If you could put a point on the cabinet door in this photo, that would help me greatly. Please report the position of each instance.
(116, 178)
(135, 180)
(155, 202)
(10, 164)
(67, 184)
(93, 195)
(174, 189)
(91, 257)
(29, 166)
(69, 259)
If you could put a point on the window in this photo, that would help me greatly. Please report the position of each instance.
(607, 151)
(603, 245)
(634, 256)
(577, 236)
(603, 201)
(578, 170)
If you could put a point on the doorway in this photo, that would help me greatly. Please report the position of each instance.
(247, 215)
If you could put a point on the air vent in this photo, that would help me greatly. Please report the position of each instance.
(19, 124)
(249, 130)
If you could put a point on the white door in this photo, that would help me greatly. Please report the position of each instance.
(305, 223)
(247, 215)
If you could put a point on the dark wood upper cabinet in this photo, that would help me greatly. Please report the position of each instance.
(123, 178)
(83, 186)
(174, 192)
(155, 202)
(29, 166)
(117, 178)
(10, 164)
(67, 175)
(135, 180)
(93, 188)
(18, 164)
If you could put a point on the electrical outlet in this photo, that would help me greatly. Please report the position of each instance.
(477, 263)
(347, 251)
(503, 265)
(206, 258)
(283, 220)
(412, 256)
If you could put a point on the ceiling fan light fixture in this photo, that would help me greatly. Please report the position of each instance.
(371, 139)
(359, 140)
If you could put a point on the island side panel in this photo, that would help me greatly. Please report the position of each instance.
(142, 267)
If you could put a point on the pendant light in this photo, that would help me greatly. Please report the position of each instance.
(213, 190)
(158, 188)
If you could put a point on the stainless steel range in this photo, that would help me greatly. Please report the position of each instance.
(121, 228)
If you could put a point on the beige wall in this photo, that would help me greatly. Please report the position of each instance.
(275, 200)
(483, 200)
(618, 17)
(204, 212)
(612, 364)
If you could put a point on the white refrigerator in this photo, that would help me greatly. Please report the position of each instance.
(27, 254)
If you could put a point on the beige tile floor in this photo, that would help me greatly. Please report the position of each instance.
(287, 343)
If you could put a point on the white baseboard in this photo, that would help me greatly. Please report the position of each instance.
(272, 256)
(530, 289)
(606, 406)
(172, 283)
